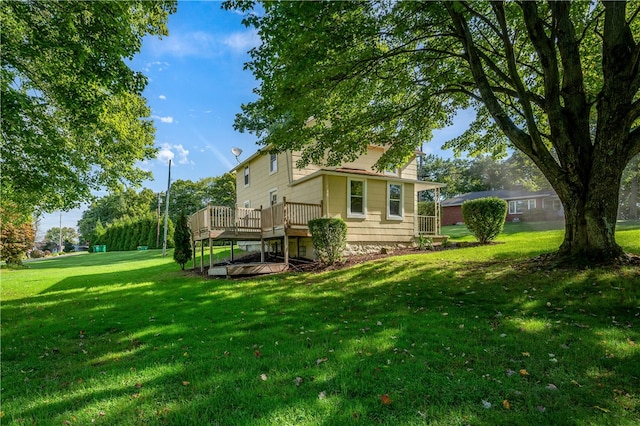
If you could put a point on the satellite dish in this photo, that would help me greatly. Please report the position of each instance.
(236, 152)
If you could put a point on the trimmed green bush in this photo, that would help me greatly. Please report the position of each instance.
(329, 237)
(484, 217)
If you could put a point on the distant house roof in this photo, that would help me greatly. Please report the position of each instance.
(504, 194)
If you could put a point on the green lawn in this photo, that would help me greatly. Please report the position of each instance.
(465, 336)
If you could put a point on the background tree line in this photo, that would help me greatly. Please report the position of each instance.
(133, 209)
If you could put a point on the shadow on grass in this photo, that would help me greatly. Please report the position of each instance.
(157, 346)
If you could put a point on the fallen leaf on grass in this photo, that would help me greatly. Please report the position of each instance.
(299, 381)
(258, 354)
(322, 395)
(321, 360)
(510, 372)
(604, 410)
(138, 385)
(185, 383)
(576, 383)
(524, 372)
(486, 404)
(135, 396)
(263, 377)
(541, 408)
(527, 354)
(506, 404)
(385, 399)
(551, 386)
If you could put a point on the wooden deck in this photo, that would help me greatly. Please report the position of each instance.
(226, 223)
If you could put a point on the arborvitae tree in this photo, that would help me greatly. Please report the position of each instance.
(143, 232)
(152, 233)
(182, 236)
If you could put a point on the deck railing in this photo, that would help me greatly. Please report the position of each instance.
(239, 219)
(428, 225)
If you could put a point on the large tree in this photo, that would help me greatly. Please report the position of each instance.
(556, 80)
(118, 205)
(73, 116)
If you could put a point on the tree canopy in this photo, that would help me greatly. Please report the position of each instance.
(73, 115)
(556, 80)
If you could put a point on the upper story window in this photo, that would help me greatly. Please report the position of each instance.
(356, 198)
(392, 172)
(246, 176)
(247, 204)
(395, 198)
(273, 163)
(520, 206)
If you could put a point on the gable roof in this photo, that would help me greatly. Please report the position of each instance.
(505, 194)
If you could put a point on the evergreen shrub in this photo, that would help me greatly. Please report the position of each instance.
(484, 217)
(329, 237)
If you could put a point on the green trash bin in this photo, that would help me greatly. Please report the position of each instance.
(99, 249)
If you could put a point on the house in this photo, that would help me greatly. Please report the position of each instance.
(275, 200)
(523, 205)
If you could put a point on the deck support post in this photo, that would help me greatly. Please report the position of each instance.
(210, 253)
(231, 242)
(285, 248)
(201, 256)
(261, 249)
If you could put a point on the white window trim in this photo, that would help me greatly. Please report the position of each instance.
(273, 165)
(246, 176)
(357, 215)
(271, 191)
(529, 204)
(389, 215)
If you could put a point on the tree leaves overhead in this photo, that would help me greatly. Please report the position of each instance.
(73, 116)
(558, 81)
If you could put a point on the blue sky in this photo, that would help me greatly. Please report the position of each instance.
(196, 87)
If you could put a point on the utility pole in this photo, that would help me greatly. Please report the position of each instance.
(166, 215)
(60, 236)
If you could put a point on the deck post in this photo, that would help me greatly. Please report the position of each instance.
(210, 253)
(231, 242)
(284, 215)
(201, 257)
(285, 248)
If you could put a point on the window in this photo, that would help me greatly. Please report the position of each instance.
(394, 201)
(247, 204)
(356, 196)
(520, 206)
(246, 176)
(273, 196)
(273, 163)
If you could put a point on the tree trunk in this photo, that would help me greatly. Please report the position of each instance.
(590, 220)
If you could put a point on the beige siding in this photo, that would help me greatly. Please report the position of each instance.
(375, 227)
(307, 192)
(364, 162)
(261, 181)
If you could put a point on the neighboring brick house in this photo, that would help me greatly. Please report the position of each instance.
(523, 205)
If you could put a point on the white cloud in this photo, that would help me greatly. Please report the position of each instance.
(177, 153)
(203, 44)
(155, 66)
(242, 41)
(163, 97)
(167, 119)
